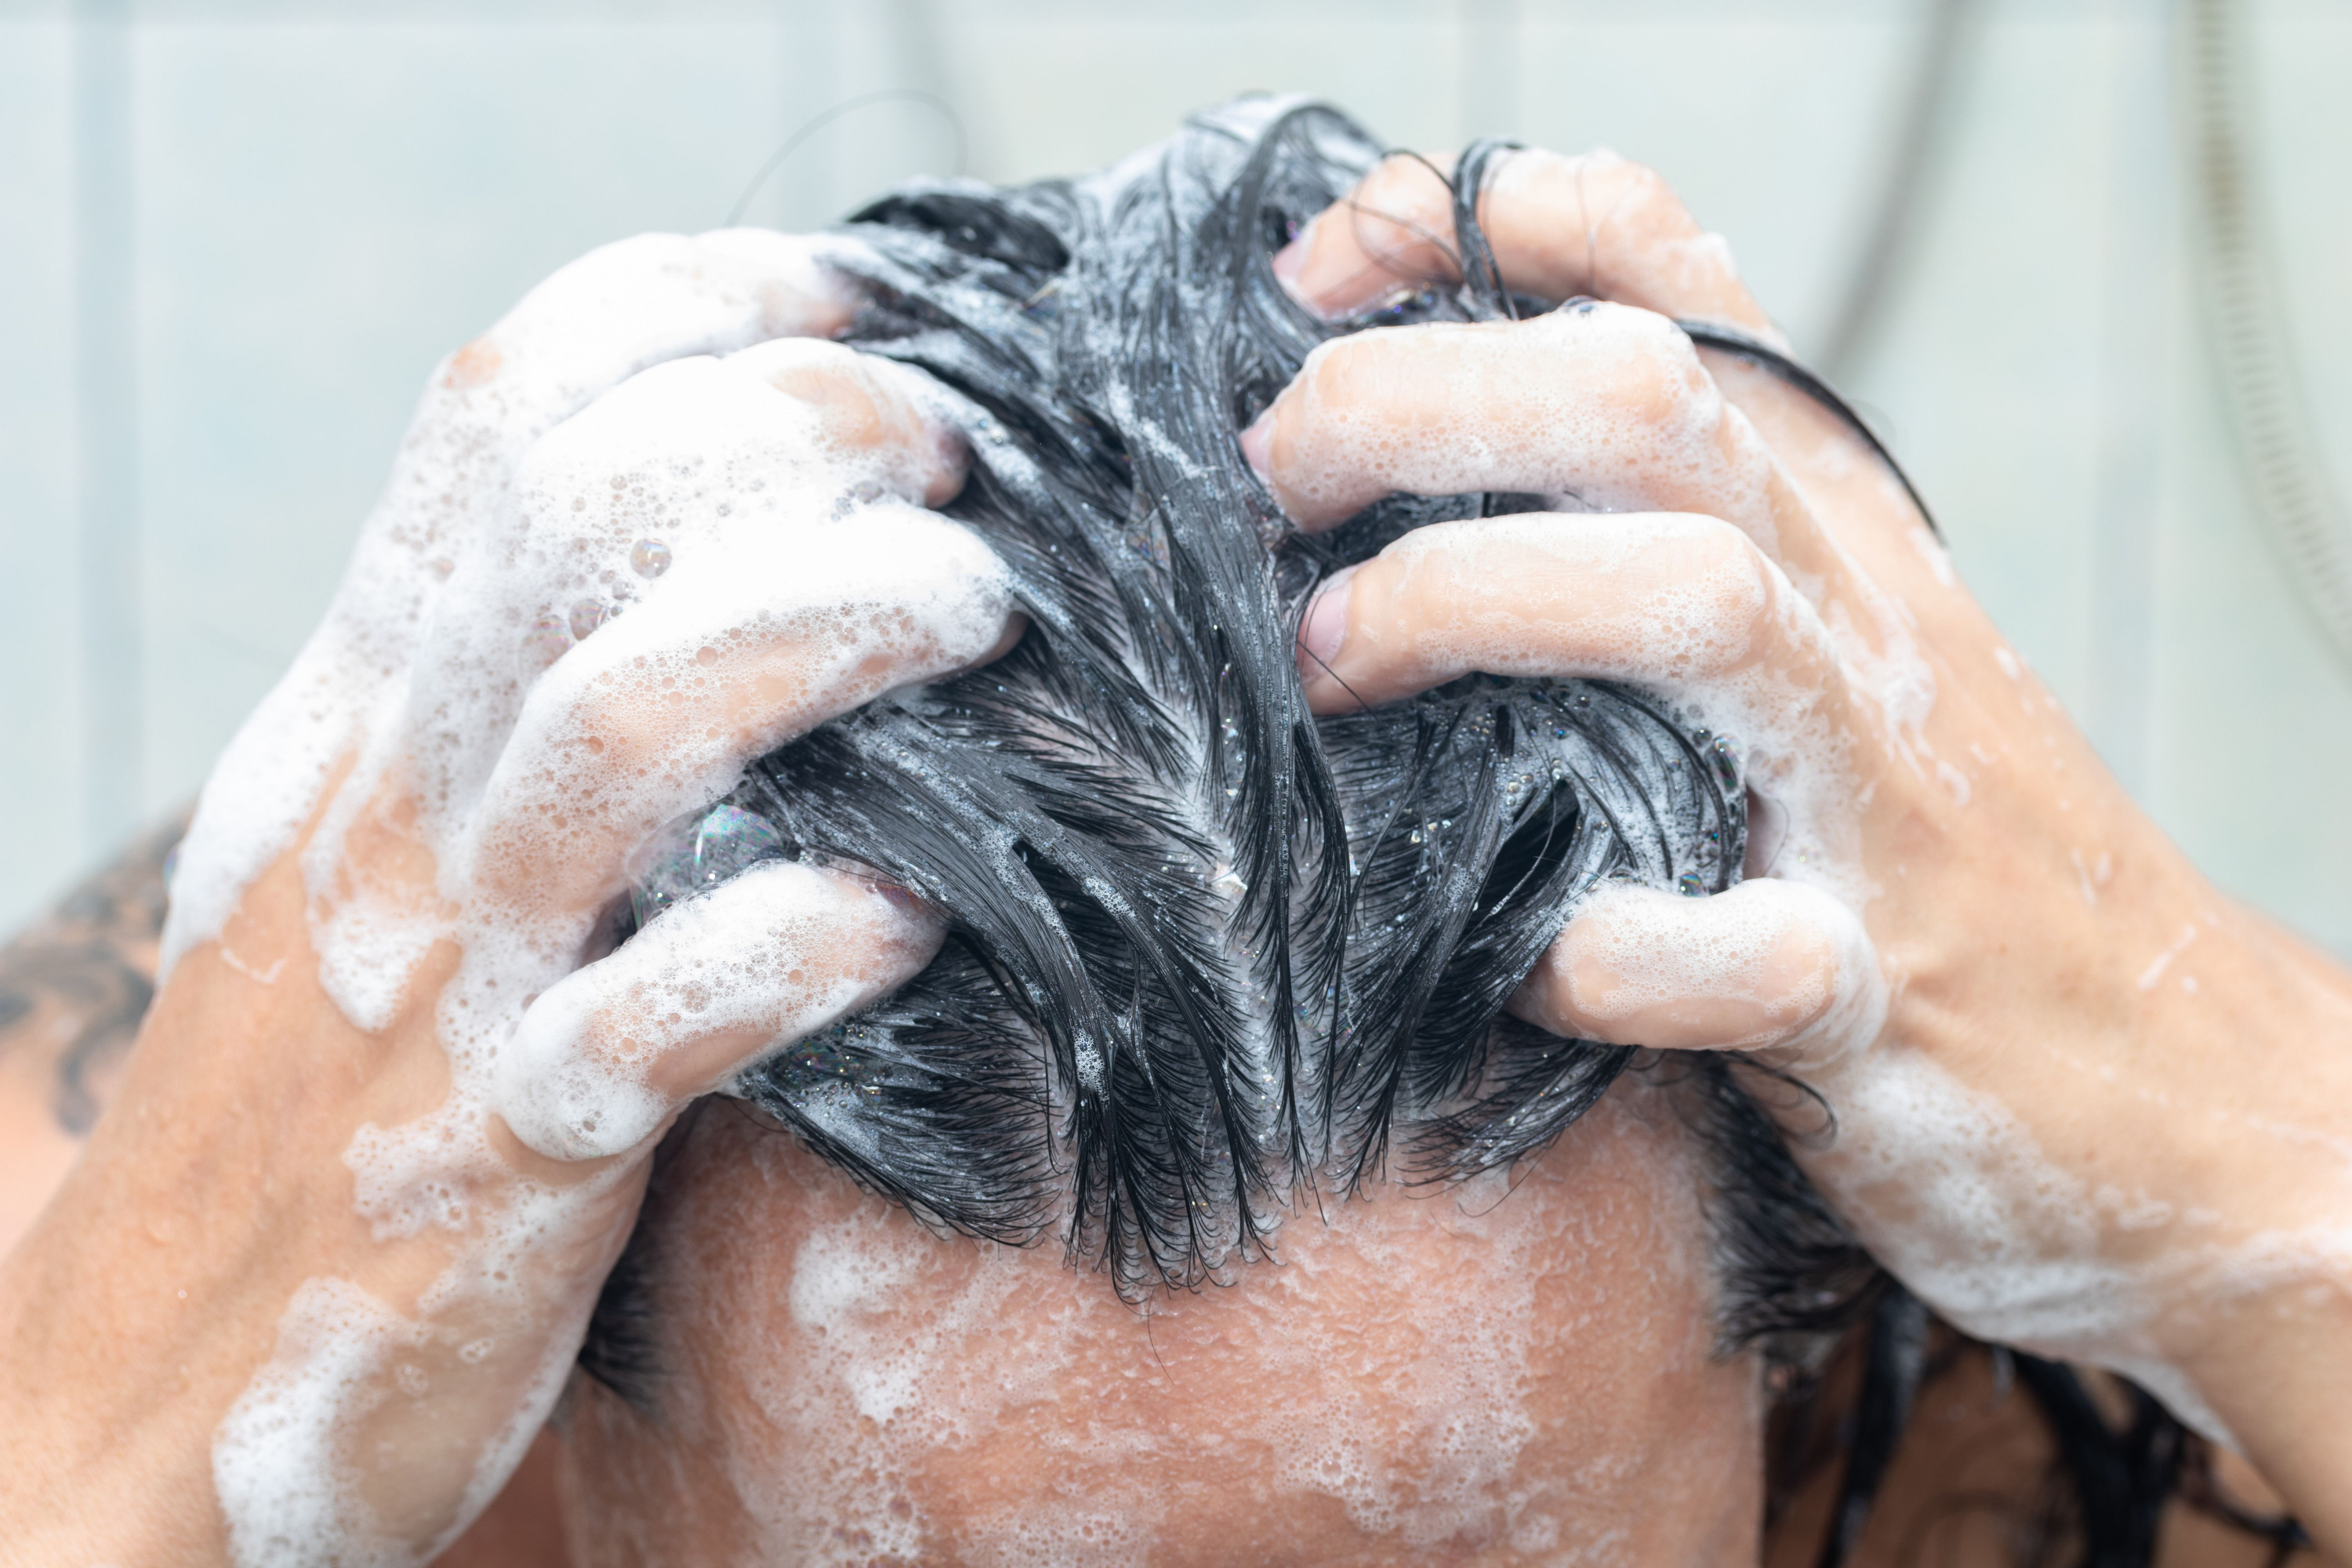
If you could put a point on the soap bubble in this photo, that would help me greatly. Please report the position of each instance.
(695, 855)
(649, 558)
(542, 645)
(586, 616)
(1725, 756)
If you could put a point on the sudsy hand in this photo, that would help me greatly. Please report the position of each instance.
(2083, 1103)
(322, 1269)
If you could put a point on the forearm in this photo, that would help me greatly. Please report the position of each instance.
(2226, 1039)
(141, 1302)
(138, 1310)
(2268, 1342)
(73, 989)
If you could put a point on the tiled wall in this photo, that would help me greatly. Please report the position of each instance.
(235, 235)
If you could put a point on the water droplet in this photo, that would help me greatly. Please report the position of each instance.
(586, 616)
(696, 855)
(1726, 763)
(649, 558)
(729, 840)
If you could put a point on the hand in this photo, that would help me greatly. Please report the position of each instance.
(322, 1270)
(2083, 1103)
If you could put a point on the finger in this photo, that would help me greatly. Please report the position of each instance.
(607, 1054)
(635, 303)
(693, 552)
(1602, 405)
(1558, 228)
(658, 712)
(615, 312)
(1768, 966)
(872, 418)
(590, 326)
(1669, 600)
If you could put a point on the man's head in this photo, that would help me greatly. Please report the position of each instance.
(1512, 1369)
(1226, 986)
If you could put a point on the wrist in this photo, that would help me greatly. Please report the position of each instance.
(141, 1306)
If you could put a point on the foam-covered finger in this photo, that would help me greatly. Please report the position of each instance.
(1768, 965)
(1604, 407)
(745, 647)
(1668, 600)
(712, 984)
(1558, 227)
(637, 303)
(591, 326)
(873, 416)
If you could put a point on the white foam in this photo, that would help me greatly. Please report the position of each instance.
(290, 1490)
(1953, 1193)
(614, 311)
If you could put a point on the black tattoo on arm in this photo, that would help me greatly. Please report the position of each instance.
(76, 983)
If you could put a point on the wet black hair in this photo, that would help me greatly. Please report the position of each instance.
(1209, 953)
(1210, 956)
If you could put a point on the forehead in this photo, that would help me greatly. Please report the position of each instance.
(1509, 1368)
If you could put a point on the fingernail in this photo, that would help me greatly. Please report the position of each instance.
(1258, 445)
(1324, 628)
(905, 899)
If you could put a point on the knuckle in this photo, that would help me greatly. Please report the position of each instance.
(1740, 583)
(819, 365)
(1352, 374)
(1662, 381)
(862, 404)
(1637, 187)
(1405, 181)
(1327, 381)
(623, 261)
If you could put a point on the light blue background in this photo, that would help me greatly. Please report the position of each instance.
(321, 199)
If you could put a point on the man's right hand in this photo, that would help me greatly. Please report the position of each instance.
(323, 1267)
